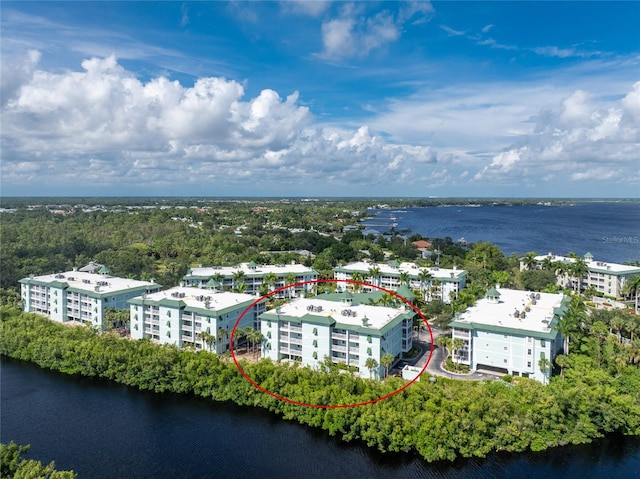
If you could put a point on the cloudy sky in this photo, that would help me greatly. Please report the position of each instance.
(320, 98)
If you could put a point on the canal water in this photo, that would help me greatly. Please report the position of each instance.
(104, 430)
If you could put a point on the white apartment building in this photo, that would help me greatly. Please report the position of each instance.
(509, 331)
(347, 331)
(256, 278)
(80, 296)
(434, 282)
(606, 278)
(178, 316)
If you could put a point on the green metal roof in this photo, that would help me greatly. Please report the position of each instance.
(492, 293)
(404, 291)
(552, 334)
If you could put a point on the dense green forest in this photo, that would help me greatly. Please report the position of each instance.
(595, 394)
(14, 465)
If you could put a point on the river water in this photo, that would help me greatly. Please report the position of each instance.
(610, 231)
(104, 430)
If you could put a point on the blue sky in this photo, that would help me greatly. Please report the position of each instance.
(533, 99)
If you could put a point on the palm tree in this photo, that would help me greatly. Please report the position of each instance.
(632, 325)
(444, 342)
(207, 338)
(270, 279)
(570, 322)
(424, 276)
(289, 280)
(255, 337)
(529, 260)
(560, 269)
(386, 360)
(241, 287)
(404, 278)
(616, 324)
(218, 278)
(548, 264)
(237, 277)
(544, 364)
(500, 277)
(599, 332)
(357, 276)
(371, 364)
(374, 272)
(578, 269)
(456, 345)
(632, 286)
(222, 334)
(387, 299)
(563, 362)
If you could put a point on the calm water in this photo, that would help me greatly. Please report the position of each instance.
(103, 430)
(610, 231)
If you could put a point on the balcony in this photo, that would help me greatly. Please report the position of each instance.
(341, 349)
(339, 336)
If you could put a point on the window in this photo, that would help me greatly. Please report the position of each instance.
(529, 364)
(369, 351)
(543, 343)
(135, 326)
(315, 355)
(169, 313)
(369, 339)
(269, 334)
(315, 331)
(168, 334)
(505, 336)
(505, 348)
(528, 352)
(168, 324)
(315, 343)
(505, 361)
(268, 324)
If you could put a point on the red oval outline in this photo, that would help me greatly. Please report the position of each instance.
(329, 406)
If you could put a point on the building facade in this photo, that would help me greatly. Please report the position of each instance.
(308, 330)
(510, 331)
(180, 315)
(257, 279)
(434, 282)
(608, 279)
(80, 296)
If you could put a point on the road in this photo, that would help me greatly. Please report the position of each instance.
(435, 364)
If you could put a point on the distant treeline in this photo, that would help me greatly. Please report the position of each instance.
(22, 202)
(438, 420)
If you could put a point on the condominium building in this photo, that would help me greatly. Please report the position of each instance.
(510, 331)
(434, 282)
(255, 278)
(180, 315)
(341, 327)
(606, 278)
(80, 296)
